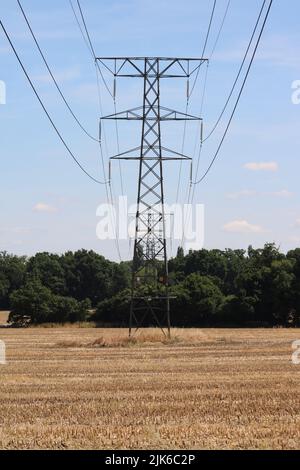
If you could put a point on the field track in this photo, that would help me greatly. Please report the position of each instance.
(72, 388)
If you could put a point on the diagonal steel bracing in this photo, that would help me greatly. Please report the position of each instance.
(150, 300)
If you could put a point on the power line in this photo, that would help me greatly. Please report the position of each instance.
(239, 95)
(205, 80)
(218, 35)
(101, 124)
(98, 87)
(221, 29)
(108, 186)
(110, 201)
(58, 133)
(182, 150)
(191, 192)
(92, 47)
(86, 29)
(45, 110)
(238, 74)
(190, 186)
(106, 86)
(52, 75)
(111, 198)
(203, 95)
(81, 30)
(205, 42)
(233, 88)
(118, 146)
(193, 87)
(209, 27)
(201, 113)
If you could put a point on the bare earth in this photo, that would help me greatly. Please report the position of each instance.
(71, 388)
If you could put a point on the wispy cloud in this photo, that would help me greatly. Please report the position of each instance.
(284, 194)
(242, 226)
(42, 207)
(15, 230)
(65, 75)
(276, 50)
(4, 50)
(262, 166)
(84, 91)
(280, 50)
(243, 193)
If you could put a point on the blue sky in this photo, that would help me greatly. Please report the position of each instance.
(252, 194)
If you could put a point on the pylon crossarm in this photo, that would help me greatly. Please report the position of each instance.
(150, 262)
(170, 115)
(181, 66)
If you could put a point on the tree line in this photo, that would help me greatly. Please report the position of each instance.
(234, 288)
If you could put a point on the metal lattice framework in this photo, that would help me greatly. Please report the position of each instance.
(150, 300)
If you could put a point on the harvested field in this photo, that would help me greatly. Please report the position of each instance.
(68, 388)
(3, 317)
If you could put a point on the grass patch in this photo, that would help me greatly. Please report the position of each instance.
(140, 340)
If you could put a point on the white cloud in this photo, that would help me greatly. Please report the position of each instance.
(85, 91)
(42, 207)
(279, 50)
(284, 193)
(242, 226)
(297, 223)
(64, 75)
(243, 193)
(4, 50)
(262, 166)
(270, 133)
(15, 230)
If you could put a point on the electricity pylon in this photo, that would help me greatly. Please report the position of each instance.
(150, 300)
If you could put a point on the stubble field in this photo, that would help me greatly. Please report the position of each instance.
(79, 388)
(3, 317)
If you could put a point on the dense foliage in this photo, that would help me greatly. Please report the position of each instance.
(260, 287)
(35, 303)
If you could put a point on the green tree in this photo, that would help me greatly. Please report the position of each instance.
(36, 304)
(69, 310)
(31, 304)
(47, 268)
(12, 276)
(89, 275)
(237, 311)
(198, 301)
(114, 310)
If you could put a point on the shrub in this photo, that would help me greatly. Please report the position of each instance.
(35, 304)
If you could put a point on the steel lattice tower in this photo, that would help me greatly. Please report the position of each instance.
(150, 299)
